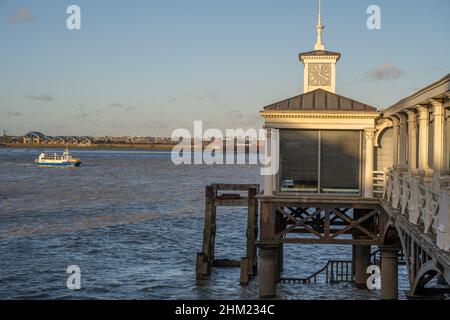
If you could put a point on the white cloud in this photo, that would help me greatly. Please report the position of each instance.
(386, 71)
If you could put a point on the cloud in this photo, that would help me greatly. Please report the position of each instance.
(42, 97)
(120, 106)
(436, 69)
(386, 71)
(22, 15)
(170, 100)
(83, 116)
(212, 95)
(116, 105)
(156, 124)
(204, 96)
(9, 114)
(234, 115)
(192, 96)
(237, 119)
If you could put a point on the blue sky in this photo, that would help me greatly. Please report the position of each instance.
(148, 67)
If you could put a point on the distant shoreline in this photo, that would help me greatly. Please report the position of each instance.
(119, 146)
(105, 146)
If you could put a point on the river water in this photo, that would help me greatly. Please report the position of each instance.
(132, 221)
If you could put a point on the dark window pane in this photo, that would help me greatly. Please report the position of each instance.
(299, 160)
(340, 157)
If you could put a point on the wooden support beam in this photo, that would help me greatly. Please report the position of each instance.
(226, 263)
(234, 187)
(215, 197)
(241, 202)
(305, 201)
(252, 229)
(357, 224)
(209, 230)
(246, 269)
(303, 231)
(389, 273)
(267, 269)
(332, 241)
(267, 222)
(202, 267)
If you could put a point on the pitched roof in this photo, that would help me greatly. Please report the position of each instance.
(320, 100)
(35, 134)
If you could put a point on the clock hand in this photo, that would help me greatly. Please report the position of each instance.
(323, 77)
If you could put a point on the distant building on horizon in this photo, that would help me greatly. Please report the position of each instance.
(36, 137)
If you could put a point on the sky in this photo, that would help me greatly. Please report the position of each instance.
(148, 67)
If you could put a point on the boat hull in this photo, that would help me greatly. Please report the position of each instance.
(59, 164)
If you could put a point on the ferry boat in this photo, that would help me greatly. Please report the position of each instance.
(56, 160)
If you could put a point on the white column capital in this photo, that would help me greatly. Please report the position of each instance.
(412, 115)
(369, 133)
(436, 102)
(438, 105)
(395, 121)
(402, 118)
(423, 110)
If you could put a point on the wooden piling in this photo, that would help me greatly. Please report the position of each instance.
(361, 253)
(270, 252)
(205, 259)
(209, 233)
(252, 230)
(245, 271)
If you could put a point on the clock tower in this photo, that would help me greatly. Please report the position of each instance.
(319, 65)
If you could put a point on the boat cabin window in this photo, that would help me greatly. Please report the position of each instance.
(320, 161)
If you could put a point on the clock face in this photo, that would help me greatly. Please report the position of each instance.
(319, 74)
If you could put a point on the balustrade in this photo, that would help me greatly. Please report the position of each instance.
(417, 200)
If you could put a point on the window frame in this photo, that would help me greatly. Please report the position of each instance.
(319, 192)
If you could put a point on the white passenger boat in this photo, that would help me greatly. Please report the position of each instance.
(57, 160)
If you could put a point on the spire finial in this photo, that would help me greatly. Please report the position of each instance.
(319, 45)
(319, 8)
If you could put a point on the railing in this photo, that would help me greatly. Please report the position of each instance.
(379, 184)
(375, 257)
(333, 272)
(415, 199)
